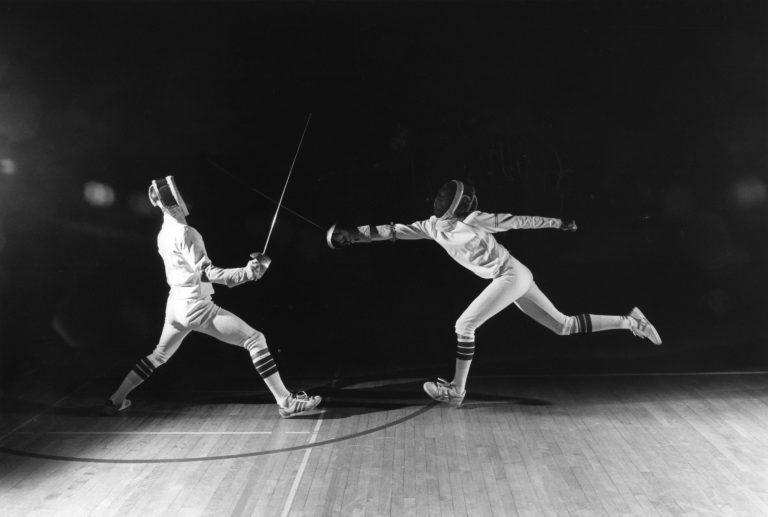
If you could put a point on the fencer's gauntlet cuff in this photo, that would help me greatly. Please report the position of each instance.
(251, 273)
(384, 232)
(363, 233)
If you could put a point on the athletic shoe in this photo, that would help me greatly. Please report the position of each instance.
(641, 327)
(299, 403)
(111, 409)
(443, 391)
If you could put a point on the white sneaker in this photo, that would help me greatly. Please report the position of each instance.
(299, 403)
(443, 391)
(641, 327)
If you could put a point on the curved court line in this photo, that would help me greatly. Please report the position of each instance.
(372, 430)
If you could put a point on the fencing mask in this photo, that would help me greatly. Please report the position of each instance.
(455, 199)
(164, 194)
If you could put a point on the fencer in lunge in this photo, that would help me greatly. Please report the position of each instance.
(190, 275)
(466, 234)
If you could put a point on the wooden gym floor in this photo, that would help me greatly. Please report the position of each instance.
(624, 445)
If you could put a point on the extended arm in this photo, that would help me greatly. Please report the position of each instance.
(503, 222)
(392, 232)
(338, 237)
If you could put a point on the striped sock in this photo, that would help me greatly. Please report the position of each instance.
(144, 368)
(584, 323)
(465, 351)
(264, 362)
(267, 368)
(138, 374)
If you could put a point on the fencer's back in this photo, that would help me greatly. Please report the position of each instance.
(181, 248)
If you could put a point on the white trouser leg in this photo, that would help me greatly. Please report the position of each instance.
(536, 305)
(500, 293)
(230, 328)
(170, 339)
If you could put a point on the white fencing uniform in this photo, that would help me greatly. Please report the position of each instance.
(469, 241)
(190, 275)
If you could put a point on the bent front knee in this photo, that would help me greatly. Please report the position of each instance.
(465, 328)
(157, 359)
(465, 331)
(255, 342)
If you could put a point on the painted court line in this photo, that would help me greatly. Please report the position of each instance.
(215, 433)
(308, 451)
(300, 473)
(152, 432)
(337, 439)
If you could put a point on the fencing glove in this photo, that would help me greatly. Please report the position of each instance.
(257, 266)
(338, 237)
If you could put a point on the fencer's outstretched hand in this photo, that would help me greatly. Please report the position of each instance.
(569, 225)
(338, 237)
(257, 266)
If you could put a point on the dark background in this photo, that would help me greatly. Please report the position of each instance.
(643, 120)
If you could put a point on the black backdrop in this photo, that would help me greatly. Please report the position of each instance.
(643, 120)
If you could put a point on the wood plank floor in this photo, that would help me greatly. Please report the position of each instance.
(633, 445)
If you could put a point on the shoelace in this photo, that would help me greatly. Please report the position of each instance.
(640, 329)
(442, 384)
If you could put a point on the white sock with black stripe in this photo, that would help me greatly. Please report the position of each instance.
(465, 352)
(266, 367)
(584, 323)
(138, 374)
(144, 368)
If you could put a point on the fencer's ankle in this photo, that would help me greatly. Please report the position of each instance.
(284, 404)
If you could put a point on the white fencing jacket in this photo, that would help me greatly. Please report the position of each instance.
(188, 270)
(468, 241)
